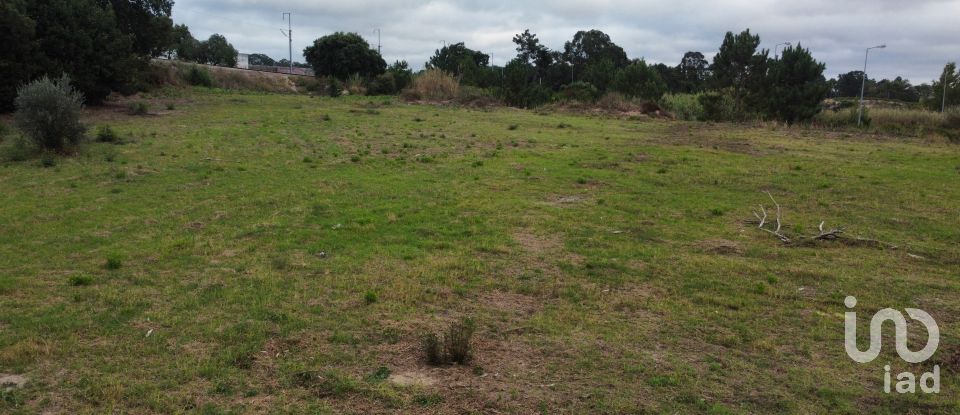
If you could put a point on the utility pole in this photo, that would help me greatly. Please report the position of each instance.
(943, 104)
(863, 84)
(379, 48)
(289, 34)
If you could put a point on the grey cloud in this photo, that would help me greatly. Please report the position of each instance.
(921, 34)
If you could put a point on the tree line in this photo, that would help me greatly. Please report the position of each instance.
(105, 45)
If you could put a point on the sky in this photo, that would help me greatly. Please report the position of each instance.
(921, 35)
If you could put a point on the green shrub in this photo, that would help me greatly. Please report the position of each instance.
(48, 113)
(683, 106)
(383, 84)
(113, 263)
(579, 91)
(80, 280)
(198, 76)
(105, 134)
(138, 108)
(717, 106)
(335, 88)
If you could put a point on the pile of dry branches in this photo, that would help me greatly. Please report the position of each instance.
(775, 228)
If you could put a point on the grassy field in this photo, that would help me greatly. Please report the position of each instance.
(248, 253)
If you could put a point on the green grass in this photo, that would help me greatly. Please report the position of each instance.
(287, 253)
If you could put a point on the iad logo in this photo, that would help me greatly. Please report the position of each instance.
(907, 381)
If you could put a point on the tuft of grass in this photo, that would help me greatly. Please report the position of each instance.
(105, 134)
(513, 127)
(80, 280)
(452, 347)
(138, 108)
(370, 297)
(113, 263)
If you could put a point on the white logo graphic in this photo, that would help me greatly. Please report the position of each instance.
(907, 381)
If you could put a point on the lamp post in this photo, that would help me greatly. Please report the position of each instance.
(863, 84)
(776, 55)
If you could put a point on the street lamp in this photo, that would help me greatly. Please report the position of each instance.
(863, 84)
(776, 55)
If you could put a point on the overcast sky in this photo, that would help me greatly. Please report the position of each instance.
(922, 35)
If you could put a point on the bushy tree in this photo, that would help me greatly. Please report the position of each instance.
(594, 46)
(457, 59)
(48, 113)
(341, 55)
(218, 51)
(848, 84)
(397, 77)
(638, 80)
(260, 59)
(692, 73)
(82, 38)
(530, 50)
(898, 89)
(736, 66)
(950, 78)
(147, 23)
(796, 86)
(184, 45)
(520, 85)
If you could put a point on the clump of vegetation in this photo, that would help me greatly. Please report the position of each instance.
(683, 106)
(198, 76)
(433, 85)
(370, 297)
(80, 280)
(138, 108)
(717, 106)
(452, 347)
(105, 134)
(48, 113)
(113, 263)
(579, 91)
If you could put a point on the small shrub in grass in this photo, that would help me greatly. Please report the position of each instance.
(454, 346)
(80, 280)
(428, 399)
(171, 106)
(513, 127)
(113, 263)
(370, 297)
(382, 373)
(105, 134)
(48, 160)
(198, 76)
(48, 113)
(138, 108)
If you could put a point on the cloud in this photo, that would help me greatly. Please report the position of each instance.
(921, 34)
